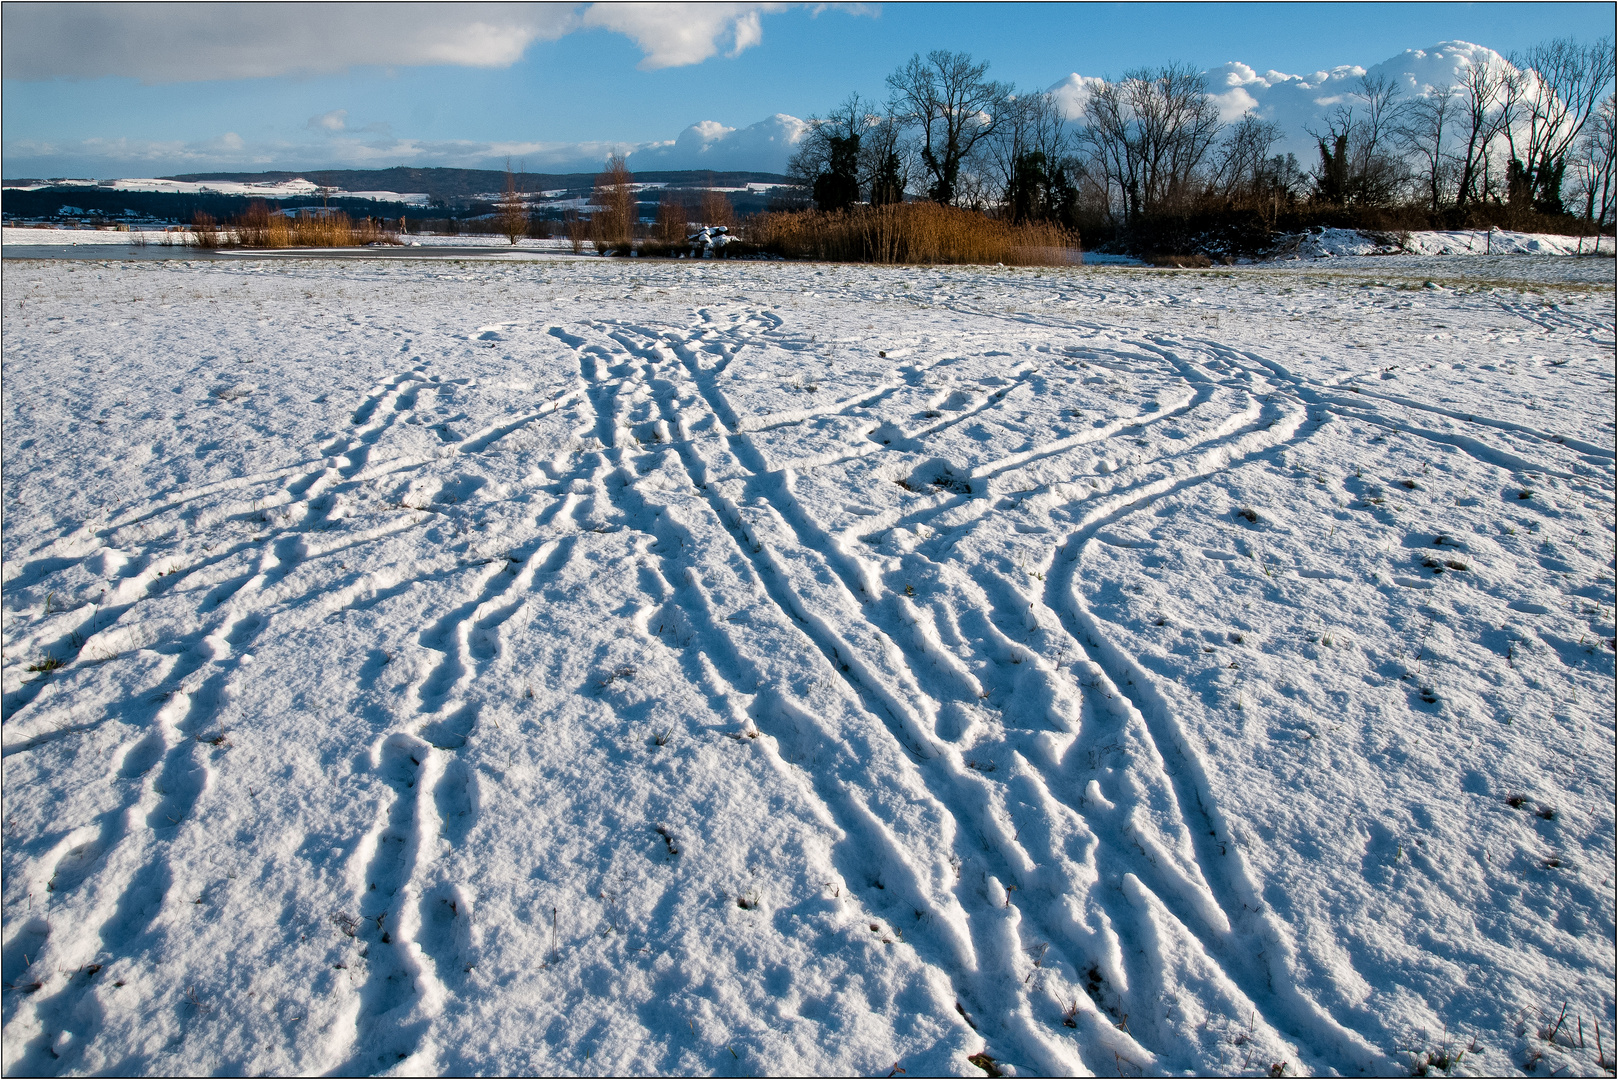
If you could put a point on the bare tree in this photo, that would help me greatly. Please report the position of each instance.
(1548, 100)
(614, 199)
(1382, 112)
(887, 161)
(1427, 124)
(1148, 134)
(1480, 118)
(715, 208)
(511, 215)
(1027, 153)
(1379, 170)
(1241, 165)
(1358, 164)
(673, 220)
(954, 106)
(1593, 164)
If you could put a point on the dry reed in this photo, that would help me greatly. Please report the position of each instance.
(919, 232)
(205, 231)
(260, 227)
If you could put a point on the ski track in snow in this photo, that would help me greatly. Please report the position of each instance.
(888, 592)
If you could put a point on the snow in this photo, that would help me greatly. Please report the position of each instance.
(32, 237)
(1321, 243)
(274, 189)
(640, 666)
(709, 238)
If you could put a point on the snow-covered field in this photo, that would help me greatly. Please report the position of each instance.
(607, 666)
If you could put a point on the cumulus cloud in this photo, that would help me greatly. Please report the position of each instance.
(673, 35)
(1297, 102)
(762, 147)
(1071, 94)
(164, 43)
(336, 120)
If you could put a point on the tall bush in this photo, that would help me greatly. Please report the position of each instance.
(614, 200)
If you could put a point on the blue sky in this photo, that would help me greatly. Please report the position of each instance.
(134, 90)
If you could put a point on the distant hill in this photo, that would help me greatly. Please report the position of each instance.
(456, 186)
(451, 193)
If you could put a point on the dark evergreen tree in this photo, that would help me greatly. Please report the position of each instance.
(838, 187)
(1332, 183)
(888, 184)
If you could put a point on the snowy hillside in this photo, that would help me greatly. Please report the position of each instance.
(599, 666)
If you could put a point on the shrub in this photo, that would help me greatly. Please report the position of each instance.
(512, 215)
(672, 220)
(716, 209)
(260, 227)
(919, 232)
(204, 231)
(577, 228)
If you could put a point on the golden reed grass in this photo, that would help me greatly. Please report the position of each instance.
(258, 227)
(919, 232)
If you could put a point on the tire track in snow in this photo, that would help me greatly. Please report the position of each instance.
(1198, 889)
(985, 973)
(1014, 863)
(415, 961)
(301, 513)
(836, 802)
(134, 841)
(1288, 1008)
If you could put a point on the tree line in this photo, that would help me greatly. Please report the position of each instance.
(1532, 136)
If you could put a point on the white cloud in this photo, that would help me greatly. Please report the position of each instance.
(1072, 93)
(762, 147)
(673, 35)
(1297, 102)
(164, 43)
(336, 120)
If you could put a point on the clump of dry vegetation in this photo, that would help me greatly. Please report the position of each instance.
(917, 232)
(577, 228)
(261, 227)
(205, 231)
